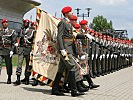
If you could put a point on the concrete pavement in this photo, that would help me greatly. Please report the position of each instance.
(114, 86)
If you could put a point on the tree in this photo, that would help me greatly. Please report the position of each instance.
(100, 24)
(132, 40)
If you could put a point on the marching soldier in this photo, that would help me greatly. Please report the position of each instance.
(7, 44)
(24, 49)
(79, 79)
(85, 47)
(65, 46)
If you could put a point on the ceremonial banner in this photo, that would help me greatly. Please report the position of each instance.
(45, 56)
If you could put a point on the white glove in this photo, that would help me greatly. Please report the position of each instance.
(123, 55)
(92, 56)
(63, 52)
(11, 53)
(89, 37)
(16, 44)
(107, 55)
(96, 56)
(83, 57)
(112, 56)
(101, 56)
(115, 56)
(75, 34)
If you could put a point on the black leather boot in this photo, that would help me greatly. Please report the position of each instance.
(65, 88)
(23, 80)
(55, 89)
(80, 88)
(26, 80)
(83, 85)
(17, 81)
(73, 87)
(9, 79)
(91, 84)
(35, 83)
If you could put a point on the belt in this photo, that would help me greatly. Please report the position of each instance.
(83, 46)
(68, 40)
(6, 46)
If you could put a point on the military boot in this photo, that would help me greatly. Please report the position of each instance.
(90, 82)
(27, 80)
(35, 83)
(72, 81)
(80, 88)
(83, 85)
(9, 79)
(18, 80)
(55, 89)
(23, 80)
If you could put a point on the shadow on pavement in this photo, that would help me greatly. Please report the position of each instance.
(45, 91)
(3, 83)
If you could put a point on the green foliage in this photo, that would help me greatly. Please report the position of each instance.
(14, 61)
(132, 40)
(100, 24)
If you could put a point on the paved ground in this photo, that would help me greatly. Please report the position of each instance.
(115, 86)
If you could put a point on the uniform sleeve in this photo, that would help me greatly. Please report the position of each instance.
(61, 28)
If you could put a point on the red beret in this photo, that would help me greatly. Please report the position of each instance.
(83, 22)
(33, 23)
(77, 26)
(28, 21)
(96, 34)
(100, 36)
(113, 39)
(92, 33)
(104, 37)
(108, 37)
(73, 17)
(66, 9)
(4, 20)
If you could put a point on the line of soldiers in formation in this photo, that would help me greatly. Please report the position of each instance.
(103, 54)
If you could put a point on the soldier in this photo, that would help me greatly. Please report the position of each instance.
(7, 44)
(103, 52)
(65, 47)
(79, 78)
(86, 48)
(24, 49)
(97, 52)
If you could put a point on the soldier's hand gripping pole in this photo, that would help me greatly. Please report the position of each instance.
(64, 54)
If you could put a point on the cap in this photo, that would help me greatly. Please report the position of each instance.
(83, 22)
(66, 9)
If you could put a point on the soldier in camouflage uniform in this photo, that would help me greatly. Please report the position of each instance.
(8, 39)
(24, 49)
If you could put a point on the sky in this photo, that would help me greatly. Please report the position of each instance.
(119, 11)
